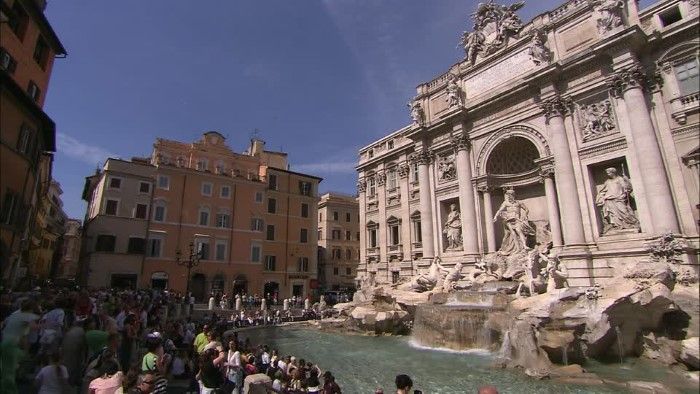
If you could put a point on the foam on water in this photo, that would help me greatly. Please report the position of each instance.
(478, 352)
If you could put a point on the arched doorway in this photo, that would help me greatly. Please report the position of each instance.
(198, 286)
(217, 284)
(159, 280)
(271, 290)
(240, 284)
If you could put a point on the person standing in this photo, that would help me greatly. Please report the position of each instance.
(201, 340)
(52, 378)
(403, 384)
(234, 371)
(74, 352)
(17, 325)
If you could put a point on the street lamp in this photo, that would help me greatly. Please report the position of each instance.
(192, 261)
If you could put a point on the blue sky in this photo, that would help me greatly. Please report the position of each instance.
(319, 79)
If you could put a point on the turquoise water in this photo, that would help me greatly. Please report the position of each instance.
(361, 364)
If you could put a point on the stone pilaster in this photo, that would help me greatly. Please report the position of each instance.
(550, 192)
(362, 200)
(423, 157)
(382, 230)
(467, 204)
(488, 222)
(630, 84)
(555, 109)
(403, 171)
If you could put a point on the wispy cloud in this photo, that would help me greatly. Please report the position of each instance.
(90, 154)
(333, 167)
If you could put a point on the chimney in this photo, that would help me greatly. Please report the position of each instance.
(256, 146)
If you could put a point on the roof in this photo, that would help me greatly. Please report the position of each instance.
(296, 173)
(45, 26)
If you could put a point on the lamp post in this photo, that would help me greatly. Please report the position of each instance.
(192, 261)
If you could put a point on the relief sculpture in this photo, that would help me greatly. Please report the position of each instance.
(446, 168)
(596, 120)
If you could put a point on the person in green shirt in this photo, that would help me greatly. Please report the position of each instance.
(96, 339)
(201, 340)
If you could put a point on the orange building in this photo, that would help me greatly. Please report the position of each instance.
(28, 46)
(244, 218)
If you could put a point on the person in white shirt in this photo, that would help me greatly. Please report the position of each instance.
(234, 371)
(265, 358)
(53, 378)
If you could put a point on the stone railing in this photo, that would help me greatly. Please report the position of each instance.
(394, 248)
(681, 106)
(372, 251)
(437, 82)
(566, 9)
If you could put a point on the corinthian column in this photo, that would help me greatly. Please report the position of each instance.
(554, 110)
(550, 192)
(629, 83)
(423, 158)
(467, 206)
(488, 221)
(361, 191)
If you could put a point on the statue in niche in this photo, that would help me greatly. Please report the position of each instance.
(417, 113)
(446, 168)
(422, 283)
(453, 276)
(597, 120)
(453, 229)
(454, 93)
(614, 202)
(539, 53)
(610, 12)
(515, 220)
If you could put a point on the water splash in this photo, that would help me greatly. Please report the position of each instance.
(620, 349)
(506, 351)
(564, 355)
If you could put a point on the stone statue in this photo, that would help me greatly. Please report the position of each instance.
(453, 276)
(515, 220)
(454, 93)
(539, 53)
(453, 229)
(610, 12)
(596, 120)
(614, 202)
(421, 283)
(417, 113)
(557, 273)
(473, 44)
(446, 168)
(490, 17)
(534, 273)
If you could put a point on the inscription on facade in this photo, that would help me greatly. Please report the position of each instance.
(511, 67)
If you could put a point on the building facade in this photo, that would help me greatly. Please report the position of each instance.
(577, 129)
(46, 238)
(238, 216)
(338, 241)
(70, 254)
(28, 46)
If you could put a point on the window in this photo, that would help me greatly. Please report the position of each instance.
(163, 182)
(272, 181)
(33, 91)
(223, 220)
(41, 52)
(220, 250)
(144, 187)
(357, 236)
(202, 248)
(154, 247)
(394, 238)
(394, 276)
(225, 191)
(370, 153)
(304, 210)
(115, 183)
(347, 217)
(136, 245)
(256, 224)
(304, 188)
(180, 161)
(141, 211)
(335, 216)
(303, 264)
(258, 197)
(220, 168)
(390, 144)
(270, 232)
(414, 172)
(202, 164)
(159, 213)
(270, 263)
(670, 16)
(348, 254)
(371, 187)
(7, 62)
(111, 207)
(304, 236)
(18, 20)
(255, 253)
(336, 270)
(24, 143)
(318, 235)
(372, 237)
(391, 180)
(335, 234)
(8, 210)
(348, 271)
(348, 235)
(416, 229)
(206, 189)
(105, 243)
(204, 217)
(271, 205)
(687, 74)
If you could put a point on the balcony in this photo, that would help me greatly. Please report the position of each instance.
(684, 105)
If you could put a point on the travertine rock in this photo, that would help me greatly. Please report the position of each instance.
(690, 353)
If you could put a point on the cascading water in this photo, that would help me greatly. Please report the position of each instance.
(461, 321)
(506, 352)
(620, 349)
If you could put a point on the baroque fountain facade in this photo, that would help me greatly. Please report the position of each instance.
(544, 199)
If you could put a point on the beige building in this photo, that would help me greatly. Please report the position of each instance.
(45, 241)
(70, 252)
(578, 128)
(338, 241)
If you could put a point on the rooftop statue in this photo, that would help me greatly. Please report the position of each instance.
(494, 24)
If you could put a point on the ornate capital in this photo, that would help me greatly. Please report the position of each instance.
(556, 106)
(380, 176)
(546, 172)
(633, 77)
(423, 157)
(361, 185)
(404, 169)
(484, 188)
(460, 142)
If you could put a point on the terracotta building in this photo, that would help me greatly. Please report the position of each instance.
(46, 238)
(28, 46)
(575, 134)
(338, 241)
(240, 216)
